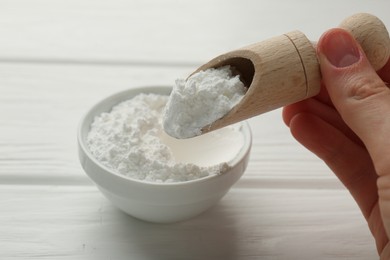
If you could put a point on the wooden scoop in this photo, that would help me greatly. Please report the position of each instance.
(285, 69)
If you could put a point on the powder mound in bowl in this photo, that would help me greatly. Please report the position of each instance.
(200, 100)
(130, 140)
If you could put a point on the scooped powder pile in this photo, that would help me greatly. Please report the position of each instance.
(200, 100)
(130, 140)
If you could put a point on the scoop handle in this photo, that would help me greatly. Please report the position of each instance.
(372, 35)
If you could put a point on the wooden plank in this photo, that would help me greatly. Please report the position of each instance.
(138, 31)
(57, 58)
(60, 222)
(41, 105)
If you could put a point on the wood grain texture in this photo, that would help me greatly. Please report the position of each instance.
(286, 201)
(67, 222)
(139, 31)
(57, 58)
(41, 105)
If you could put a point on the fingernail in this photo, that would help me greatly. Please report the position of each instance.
(340, 48)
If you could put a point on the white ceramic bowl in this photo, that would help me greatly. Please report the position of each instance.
(157, 202)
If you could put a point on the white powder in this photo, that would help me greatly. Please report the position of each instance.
(200, 100)
(130, 140)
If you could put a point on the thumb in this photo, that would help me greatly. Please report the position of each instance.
(358, 93)
(363, 101)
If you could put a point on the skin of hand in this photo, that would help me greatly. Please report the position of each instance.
(348, 126)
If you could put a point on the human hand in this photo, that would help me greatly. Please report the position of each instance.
(348, 126)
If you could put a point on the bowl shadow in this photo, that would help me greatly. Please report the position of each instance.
(211, 235)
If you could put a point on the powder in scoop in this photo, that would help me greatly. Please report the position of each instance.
(200, 100)
(130, 140)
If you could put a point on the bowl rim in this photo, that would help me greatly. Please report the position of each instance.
(128, 94)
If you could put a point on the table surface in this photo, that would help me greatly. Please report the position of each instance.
(58, 58)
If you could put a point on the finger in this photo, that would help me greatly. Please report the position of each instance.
(350, 162)
(323, 111)
(323, 96)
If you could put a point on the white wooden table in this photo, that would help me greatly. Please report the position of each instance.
(57, 58)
